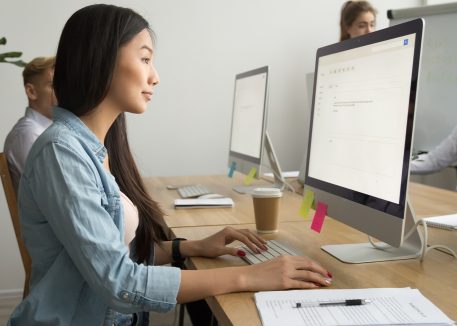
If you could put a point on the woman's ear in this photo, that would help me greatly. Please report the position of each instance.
(30, 91)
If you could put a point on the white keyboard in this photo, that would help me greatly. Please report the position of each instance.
(193, 191)
(275, 249)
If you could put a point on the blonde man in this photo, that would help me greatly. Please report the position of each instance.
(37, 75)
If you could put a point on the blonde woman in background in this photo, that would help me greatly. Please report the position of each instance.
(357, 18)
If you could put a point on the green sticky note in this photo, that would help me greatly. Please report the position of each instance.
(250, 177)
(308, 200)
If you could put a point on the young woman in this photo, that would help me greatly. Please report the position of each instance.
(357, 18)
(95, 236)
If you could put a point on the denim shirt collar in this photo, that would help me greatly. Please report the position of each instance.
(74, 123)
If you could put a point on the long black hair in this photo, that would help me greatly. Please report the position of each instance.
(85, 62)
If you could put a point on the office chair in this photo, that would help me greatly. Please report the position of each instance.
(14, 212)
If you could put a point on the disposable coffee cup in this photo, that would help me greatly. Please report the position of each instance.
(266, 209)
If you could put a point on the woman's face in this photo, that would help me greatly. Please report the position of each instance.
(364, 24)
(134, 76)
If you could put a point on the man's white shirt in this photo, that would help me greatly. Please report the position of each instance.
(21, 138)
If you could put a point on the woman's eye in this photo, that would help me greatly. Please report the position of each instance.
(146, 60)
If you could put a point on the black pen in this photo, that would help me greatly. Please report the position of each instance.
(348, 302)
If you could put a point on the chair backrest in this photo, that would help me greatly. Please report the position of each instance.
(14, 212)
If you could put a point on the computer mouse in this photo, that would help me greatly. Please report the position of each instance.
(210, 196)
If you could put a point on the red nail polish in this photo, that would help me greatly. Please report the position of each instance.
(329, 275)
(241, 253)
(317, 284)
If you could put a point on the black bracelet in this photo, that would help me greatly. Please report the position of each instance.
(175, 252)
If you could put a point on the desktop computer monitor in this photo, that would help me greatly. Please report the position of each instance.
(360, 139)
(248, 134)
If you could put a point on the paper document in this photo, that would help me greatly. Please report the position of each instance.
(285, 174)
(443, 222)
(397, 306)
(204, 203)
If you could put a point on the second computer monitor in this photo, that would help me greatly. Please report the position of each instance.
(249, 120)
(248, 135)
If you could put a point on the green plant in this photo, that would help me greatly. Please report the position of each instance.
(4, 57)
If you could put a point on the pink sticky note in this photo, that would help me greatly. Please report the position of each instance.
(319, 216)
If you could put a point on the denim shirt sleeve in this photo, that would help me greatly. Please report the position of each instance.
(65, 189)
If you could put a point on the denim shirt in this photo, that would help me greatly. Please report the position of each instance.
(72, 225)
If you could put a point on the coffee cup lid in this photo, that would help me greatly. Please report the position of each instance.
(266, 192)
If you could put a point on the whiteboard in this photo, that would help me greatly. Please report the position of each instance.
(436, 110)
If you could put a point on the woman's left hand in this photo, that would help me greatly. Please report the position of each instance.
(216, 245)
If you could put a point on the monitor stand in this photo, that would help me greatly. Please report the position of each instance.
(357, 253)
(275, 168)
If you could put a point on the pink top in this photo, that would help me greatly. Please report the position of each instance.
(130, 218)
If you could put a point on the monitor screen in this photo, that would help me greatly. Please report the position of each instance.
(361, 127)
(249, 119)
(249, 136)
(360, 117)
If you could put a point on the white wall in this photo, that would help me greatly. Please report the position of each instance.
(437, 2)
(201, 45)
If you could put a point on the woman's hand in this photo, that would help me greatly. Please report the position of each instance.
(281, 273)
(216, 245)
(286, 272)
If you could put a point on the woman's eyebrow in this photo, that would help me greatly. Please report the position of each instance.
(147, 48)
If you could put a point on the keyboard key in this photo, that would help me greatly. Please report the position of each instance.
(280, 248)
(275, 249)
(193, 191)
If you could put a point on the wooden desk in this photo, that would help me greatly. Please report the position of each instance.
(242, 213)
(435, 277)
(429, 201)
(426, 201)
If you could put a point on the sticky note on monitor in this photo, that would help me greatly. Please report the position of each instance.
(250, 177)
(319, 216)
(306, 203)
(232, 169)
